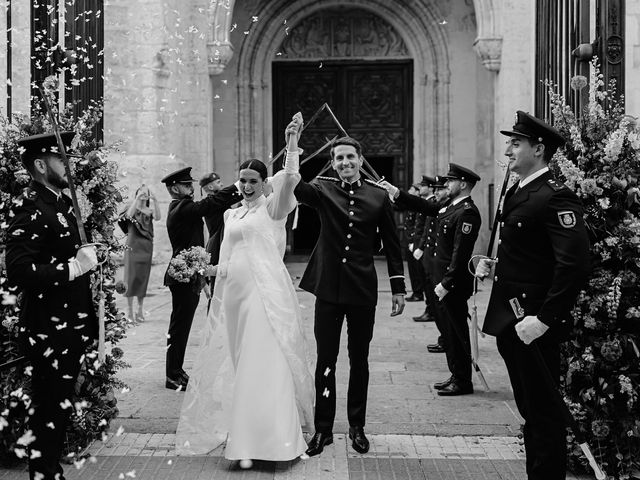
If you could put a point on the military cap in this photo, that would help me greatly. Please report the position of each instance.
(208, 178)
(439, 182)
(427, 181)
(35, 145)
(458, 172)
(179, 176)
(531, 127)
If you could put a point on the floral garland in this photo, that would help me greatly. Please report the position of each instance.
(94, 403)
(601, 164)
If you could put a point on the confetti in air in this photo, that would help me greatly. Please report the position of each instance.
(325, 393)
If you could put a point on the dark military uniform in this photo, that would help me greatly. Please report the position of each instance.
(57, 314)
(415, 270)
(429, 236)
(185, 228)
(543, 253)
(458, 228)
(342, 276)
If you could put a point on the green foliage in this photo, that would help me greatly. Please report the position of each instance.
(95, 177)
(601, 163)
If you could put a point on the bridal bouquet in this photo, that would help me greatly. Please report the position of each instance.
(189, 265)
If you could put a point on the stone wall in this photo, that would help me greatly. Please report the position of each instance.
(632, 59)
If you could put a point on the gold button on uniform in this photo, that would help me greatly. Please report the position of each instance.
(350, 224)
(348, 235)
(344, 260)
(350, 213)
(347, 247)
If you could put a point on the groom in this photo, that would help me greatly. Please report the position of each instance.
(342, 276)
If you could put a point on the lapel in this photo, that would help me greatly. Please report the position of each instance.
(513, 198)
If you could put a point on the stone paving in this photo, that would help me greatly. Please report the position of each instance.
(413, 432)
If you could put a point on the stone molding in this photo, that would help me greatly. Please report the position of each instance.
(219, 47)
(488, 44)
(490, 52)
(417, 23)
(350, 33)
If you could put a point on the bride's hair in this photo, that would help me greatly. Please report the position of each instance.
(257, 165)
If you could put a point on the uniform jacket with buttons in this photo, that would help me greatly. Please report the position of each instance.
(543, 255)
(457, 230)
(341, 268)
(184, 221)
(42, 237)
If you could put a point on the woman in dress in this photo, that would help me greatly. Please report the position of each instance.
(251, 384)
(139, 218)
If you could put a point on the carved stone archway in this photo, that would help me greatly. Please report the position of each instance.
(415, 22)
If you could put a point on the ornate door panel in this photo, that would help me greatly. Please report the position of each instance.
(371, 100)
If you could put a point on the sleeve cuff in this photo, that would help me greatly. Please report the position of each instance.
(397, 285)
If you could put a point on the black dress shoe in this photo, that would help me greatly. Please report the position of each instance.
(414, 298)
(425, 317)
(175, 384)
(318, 442)
(445, 384)
(456, 388)
(360, 443)
(436, 348)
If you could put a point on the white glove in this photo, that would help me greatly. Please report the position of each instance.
(391, 190)
(210, 270)
(440, 291)
(417, 254)
(411, 247)
(530, 328)
(86, 260)
(483, 269)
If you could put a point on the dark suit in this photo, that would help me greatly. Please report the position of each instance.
(429, 240)
(458, 228)
(543, 255)
(57, 313)
(415, 270)
(185, 227)
(342, 276)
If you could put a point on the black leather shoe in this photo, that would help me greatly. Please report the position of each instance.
(425, 317)
(318, 442)
(455, 388)
(175, 384)
(445, 384)
(436, 348)
(360, 443)
(414, 298)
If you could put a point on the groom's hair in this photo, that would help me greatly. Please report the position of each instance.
(346, 141)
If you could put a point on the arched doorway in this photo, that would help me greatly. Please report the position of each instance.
(357, 63)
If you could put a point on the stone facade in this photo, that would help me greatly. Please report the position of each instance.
(188, 82)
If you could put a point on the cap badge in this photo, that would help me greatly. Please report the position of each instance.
(466, 228)
(567, 218)
(63, 220)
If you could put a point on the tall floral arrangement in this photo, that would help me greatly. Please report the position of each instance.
(601, 164)
(94, 404)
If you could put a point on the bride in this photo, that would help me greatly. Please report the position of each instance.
(251, 384)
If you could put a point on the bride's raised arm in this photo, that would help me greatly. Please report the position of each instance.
(282, 201)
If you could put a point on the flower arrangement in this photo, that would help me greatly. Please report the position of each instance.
(95, 177)
(601, 164)
(189, 265)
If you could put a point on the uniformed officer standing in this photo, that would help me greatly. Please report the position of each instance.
(441, 198)
(422, 220)
(45, 261)
(458, 228)
(342, 276)
(415, 270)
(543, 255)
(185, 227)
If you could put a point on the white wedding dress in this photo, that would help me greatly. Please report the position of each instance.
(251, 383)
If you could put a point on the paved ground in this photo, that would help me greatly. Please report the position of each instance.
(414, 433)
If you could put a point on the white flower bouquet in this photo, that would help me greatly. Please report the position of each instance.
(189, 265)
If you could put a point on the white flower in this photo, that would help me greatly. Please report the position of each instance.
(614, 143)
(604, 203)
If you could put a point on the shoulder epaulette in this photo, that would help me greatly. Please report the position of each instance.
(467, 206)
(555, 184)
(371, 182)
(331, 179)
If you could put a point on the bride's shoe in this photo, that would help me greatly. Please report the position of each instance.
(246, 464)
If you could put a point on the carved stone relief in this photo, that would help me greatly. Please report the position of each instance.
(342, 33)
